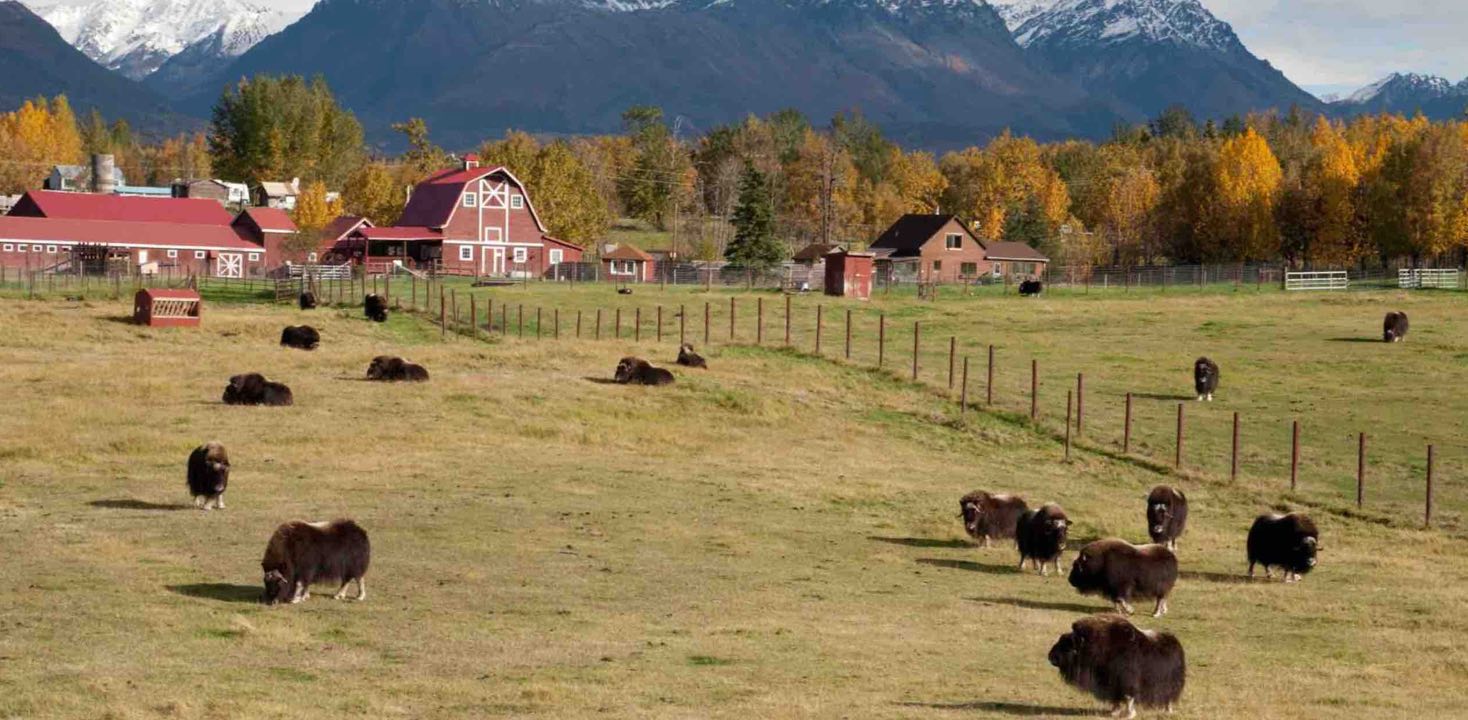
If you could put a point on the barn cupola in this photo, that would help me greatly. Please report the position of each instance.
(471, 161)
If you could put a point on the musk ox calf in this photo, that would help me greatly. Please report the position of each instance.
(1394, 328)
(636, 371)
(1031, 288)
(375, 308)
(208, 475)
(1205, 378)
(254, 389)
(1167, 515)
(1040, 535)
(987, 516)
(688, 358)
(386, 368)
(1121, 664)
(302, 553)
(300, 337)
(1119, 571)
(1284, 541)
(307, 300)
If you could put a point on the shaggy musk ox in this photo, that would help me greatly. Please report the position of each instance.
(301, 337)
(1205, 378)
(308, 300)
(386, 368)
(1119, 571)
(375, 308)
(1040, 535)
(302, 553)
(688, 358)
(208, 475)
(1121, 664)
(1285, 541)
(1394, 328)
(986, 516)
(636, 371)
(254, 389)
(1031, 288)
(1167, 515)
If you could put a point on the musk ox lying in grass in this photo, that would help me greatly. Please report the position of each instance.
(1284, 541)
(1394, 328)
(375, 308)
(1040, 535)
(987, 516)
(254, 389)
(1119, 571)
(1205, 378)
(1031, 288)
(688, 358)
(1167, 515)
(307, 300)
(301, 337)
(387, 368)
(1121, 664)
(302, 553)
(208, 475)
(636, 371)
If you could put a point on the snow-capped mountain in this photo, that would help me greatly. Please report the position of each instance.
(1086, 22)
(1408, 93)
(135, 37)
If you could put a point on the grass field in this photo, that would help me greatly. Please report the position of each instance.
(776, 537)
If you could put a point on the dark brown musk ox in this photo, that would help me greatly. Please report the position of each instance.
(1031, 288)
(636, 371)
(1040, 535)
(1119, 571)
(687, 357)
(988, 516)
(1394, 328)
(1121, 664)
(1283, 541)
(300, 337)
(254, 389)
(302, 553)
(375, 308)
(387, 368)
(307, 300)
(208, 475)
(1205, 378)
(1167, 515)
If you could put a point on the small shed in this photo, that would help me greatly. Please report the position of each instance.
(628, 263)
(849, 274)
(157, 307)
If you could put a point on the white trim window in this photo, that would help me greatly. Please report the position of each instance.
(38, 248)
(522, 254)
(254, 257)
(517, 202)
(493, 235)
(51, 249)
(9, 247)
(624, 267)
(310, 257)
(466, 253)
(470, 200)
(173, 253)
(200, 254)
(953, 241)
(557, 256)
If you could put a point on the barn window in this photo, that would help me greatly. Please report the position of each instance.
(173, 253)
(311, 257)
(557, 256)
(937, 266)
(254, 257)
(51, 249)
(199, 254)
(517, 202)
(36, 248)
(470, 199)
(493, 234)
(466, 252)
(968, 269)
(9, 248)
(954, 241)
(521, 255)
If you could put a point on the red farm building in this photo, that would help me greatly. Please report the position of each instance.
(472, 220)
(628, 263)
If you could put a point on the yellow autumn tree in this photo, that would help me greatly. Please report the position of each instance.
(516, 152)
(373, 193)
(566, 197)
(313, 211)
(1435, 193)
(1330, 187)
(1008, 189)
(1128, 218)
(820, 197)
(1247, 181)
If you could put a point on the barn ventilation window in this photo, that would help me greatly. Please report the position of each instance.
(199, 254)
(557, 256)
(254, 257)
(470, 199)
(9, 248)
(954, 241)
(517, 201)
(466, 252)
(173, 253)
(521, 255)
(51, 249)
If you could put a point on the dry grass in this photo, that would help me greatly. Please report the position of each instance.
(772, 538)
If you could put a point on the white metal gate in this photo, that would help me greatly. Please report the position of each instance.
(1324, 280)
(1416, 278)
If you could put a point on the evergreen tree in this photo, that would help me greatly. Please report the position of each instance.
(754, 244)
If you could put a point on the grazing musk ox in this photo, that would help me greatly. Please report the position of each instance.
(636, 371)
(1119, 571)
(300, 337)
(1394, 328)
(254, 389)
(387, 368)
(375, 308)
(987, 516)
(1031, 288)
(1205, 378)
(688, 358)
(307, 300)
(1040, 535)
(208, 475)
(1286, 541)
(1121, 664)
(1167, 515)
(302, 553)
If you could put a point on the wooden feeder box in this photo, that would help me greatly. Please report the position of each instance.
(167, 308)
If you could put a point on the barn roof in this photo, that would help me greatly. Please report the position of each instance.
(908, 235)
(85, 206)
(343, 226)
(271, 220)
(433, 201)
(627, 252)
(562, 243)
(115, 232)
(1014, 251)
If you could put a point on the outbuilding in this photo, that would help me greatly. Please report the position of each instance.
(628, 263)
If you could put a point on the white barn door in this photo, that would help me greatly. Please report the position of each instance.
(230, 265)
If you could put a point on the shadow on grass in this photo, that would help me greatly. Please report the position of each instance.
(970, 566)
(1376, 341)
(600, 380)
(131, 504)
(223, 592)
(1006, 708)
(1163, 396)
(1042, 605)
(122, 320)
(1213, 577)
(923, 542)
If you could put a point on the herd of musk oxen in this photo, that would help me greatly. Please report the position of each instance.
(1105, 655)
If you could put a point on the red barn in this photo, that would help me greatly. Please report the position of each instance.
(274, 231)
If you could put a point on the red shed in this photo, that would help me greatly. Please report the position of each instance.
(849, 274)
(628, 263)
(167, 308)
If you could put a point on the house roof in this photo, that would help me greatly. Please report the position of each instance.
(270, 220)
(1014, 251)
(908, 235)
(400, 232)
(816, 251)
(277, 189)
(85, 206)
(627, 252)
(562, 243)
(116, 232)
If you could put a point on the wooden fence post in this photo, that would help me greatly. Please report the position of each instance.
(520, 320)
(759, 321)
(489, 314)
(504, 319)
(1080, 403)
(963, 391)
(707, 315)
(1427, 512)
(952, 358)
(1233, 468)
(659, 334)
(443, 315)
(617, 331)
(1361, 471)
(682, 323)
(578, 324)
(637, 325)
(1177, 460)
(598, 324)
(733, 311)
(881, 339)
(820, 317)
(917, 332)
(1294, 454)
(787, 321)
(848, 333)
(1068, 401)
(473, 317)
(1126, 431)
(1034, 390)
(989, 384)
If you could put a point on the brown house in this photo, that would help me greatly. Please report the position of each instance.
(943, 248)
